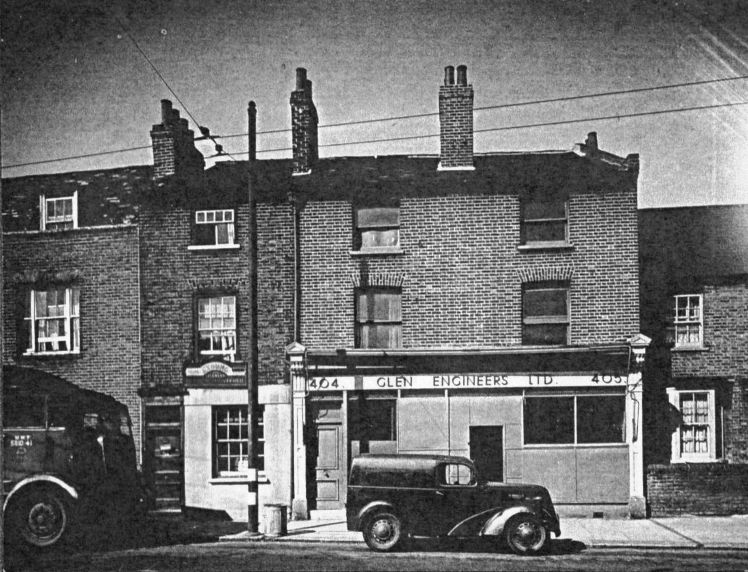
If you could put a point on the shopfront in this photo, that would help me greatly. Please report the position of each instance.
(576, 432)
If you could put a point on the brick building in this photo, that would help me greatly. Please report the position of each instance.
(485, 305)
(695, 305)
(71, 278)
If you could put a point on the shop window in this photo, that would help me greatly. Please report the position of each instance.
(545, 221)
(545, 313)
(53, 320)
(59, 213)
(214, 229)
(377, 420)
(216, 316)
(231, 441)
(688, 321)
(695, 438)
(549, 420)
(378, 318)
(377, 228)
(580, 419)
(600, 419)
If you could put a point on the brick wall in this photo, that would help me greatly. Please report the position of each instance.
(172, 276)
(106, 262)
(462, 273)
(698, 488)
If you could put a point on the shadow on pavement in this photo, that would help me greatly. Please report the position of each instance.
(489, 545)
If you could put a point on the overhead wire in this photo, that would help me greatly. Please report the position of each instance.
(166, 83)
(431, 135)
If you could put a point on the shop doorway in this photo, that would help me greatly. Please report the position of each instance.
(328, 459)
(487, 451)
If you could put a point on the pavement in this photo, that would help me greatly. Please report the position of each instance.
(724, 532)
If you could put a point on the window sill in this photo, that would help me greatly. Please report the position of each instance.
(551, 245)
(237, 480)
(574, 445)
(690, 349)
(50, 354)
(683, 461)
(376, 251)
(213, 247)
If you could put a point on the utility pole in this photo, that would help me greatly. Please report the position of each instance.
(252, 365)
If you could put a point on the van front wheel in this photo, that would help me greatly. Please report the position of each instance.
(383, 532)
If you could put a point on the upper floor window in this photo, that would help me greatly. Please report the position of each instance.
(231, 441)
(688, 322)
(59, 213)
(214, 228)
(695, 438)
(545, 313)
(545, 221)
(378, 318)
(377, 228)
(53, 320)
(216, 326)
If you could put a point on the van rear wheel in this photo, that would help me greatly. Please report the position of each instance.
(383, 532)
(40, 516)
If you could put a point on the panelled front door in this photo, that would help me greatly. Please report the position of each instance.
(330, 470)
(487, 451)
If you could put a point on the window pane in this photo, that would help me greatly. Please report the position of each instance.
(222, 234)
(545, 231)
(600, 419)
(380, 336)
(549, 420)
(544, 302)
(545, 334)
(377, 217)
(380, 238)
(24, 410)
(204, 234)
(544, 209)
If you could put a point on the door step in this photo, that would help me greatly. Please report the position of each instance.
(337, 514)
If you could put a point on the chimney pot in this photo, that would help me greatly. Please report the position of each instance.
(184, 124)
(461, 75)
(301, 79)
(449, 75)
(165, 111)
(592, 140)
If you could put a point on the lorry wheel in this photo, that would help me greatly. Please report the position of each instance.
(525, 535)
(39, 516)
(383, 532)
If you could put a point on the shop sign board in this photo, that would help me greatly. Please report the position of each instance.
(463, 381)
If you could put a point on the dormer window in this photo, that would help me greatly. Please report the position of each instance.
(59, 213)
(214, 229)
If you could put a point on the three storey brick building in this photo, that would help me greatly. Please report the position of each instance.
(484, 305)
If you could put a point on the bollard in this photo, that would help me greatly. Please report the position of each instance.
(276, 520)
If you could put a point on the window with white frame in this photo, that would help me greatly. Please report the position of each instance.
(53, 320)
(688, 322)
(216, 335)
(214, 228)
(545, 313)
(695, 438)
(545, 221)
(379, 321)
(377, 228)
(231, 441)
(60, 213)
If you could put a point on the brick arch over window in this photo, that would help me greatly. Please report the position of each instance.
(545, 273)
(217, 283)
(383, 279)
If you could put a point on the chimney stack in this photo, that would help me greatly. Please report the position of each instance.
(456, 121)
(174, 151)
(303, 125)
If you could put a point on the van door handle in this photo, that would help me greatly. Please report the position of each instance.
(441, 494)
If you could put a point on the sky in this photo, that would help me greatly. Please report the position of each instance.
(76, 80)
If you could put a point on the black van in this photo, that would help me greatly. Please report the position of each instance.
(69, 458)
(391, 496)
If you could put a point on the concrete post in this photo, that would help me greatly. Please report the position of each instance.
(297, 359)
